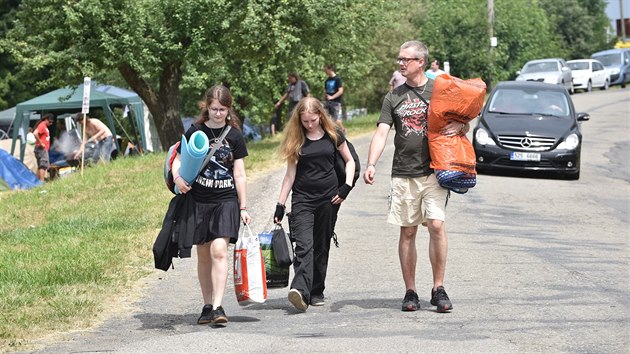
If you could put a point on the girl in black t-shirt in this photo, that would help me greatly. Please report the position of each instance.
(220, 198)
(309, 147)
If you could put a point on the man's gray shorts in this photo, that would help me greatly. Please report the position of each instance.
(43, 161)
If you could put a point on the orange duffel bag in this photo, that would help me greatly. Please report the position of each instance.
(453, 99)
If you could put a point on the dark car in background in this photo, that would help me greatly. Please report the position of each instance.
(529, 126)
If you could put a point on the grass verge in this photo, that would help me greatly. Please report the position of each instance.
(70, 246)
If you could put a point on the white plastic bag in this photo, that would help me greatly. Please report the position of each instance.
(250, 284)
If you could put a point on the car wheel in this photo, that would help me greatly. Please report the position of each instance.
(606, 84)
(589, 86)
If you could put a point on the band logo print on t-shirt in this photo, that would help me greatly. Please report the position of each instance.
(218, 173)
(413, 116)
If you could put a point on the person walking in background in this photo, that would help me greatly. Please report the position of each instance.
(396, 80)
(415, 196)
(434, 71)
(220, 198)
(296, 90)
(274, 122)
(98, 133)
(310, 147)
(42, 145)
(333, 95)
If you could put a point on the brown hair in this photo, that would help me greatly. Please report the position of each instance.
(223, 95)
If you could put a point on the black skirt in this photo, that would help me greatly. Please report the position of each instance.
(217, 220)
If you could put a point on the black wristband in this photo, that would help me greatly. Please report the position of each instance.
(279, 214)
(343, 191)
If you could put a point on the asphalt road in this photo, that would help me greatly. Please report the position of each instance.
(535, 265)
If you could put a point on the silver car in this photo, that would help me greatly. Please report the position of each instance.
(551, 71)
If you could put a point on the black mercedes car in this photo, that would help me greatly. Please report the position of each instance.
(529, 126)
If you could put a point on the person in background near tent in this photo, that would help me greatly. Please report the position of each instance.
(99, 133)
(42, 145)
(434, 71)
(396, 80)
(220, 197)
(310, 146)
(30, 137)
(415, 195)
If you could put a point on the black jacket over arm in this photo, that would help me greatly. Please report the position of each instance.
(178, 228)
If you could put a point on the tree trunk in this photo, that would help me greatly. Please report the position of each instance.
(163, 105)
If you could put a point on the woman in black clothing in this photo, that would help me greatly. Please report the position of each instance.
(220, 195)
(309, 147)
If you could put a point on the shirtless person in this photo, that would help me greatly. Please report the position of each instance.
(99, 133)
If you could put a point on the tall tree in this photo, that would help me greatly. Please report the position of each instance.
(456, 31)
(581, 25)
(169, 49)
(14, 87)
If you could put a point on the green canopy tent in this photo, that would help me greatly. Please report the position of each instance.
(70, 99)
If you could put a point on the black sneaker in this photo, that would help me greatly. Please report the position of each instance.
(317, 300)
(206, 313)
(218, 316)
(296, 299)
(411, 301)
(441, 300)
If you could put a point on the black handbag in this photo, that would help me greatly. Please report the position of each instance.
(282, 247)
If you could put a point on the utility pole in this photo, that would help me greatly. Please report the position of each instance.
(623, 21)
(492, 41)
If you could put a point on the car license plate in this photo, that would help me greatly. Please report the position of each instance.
(525, 156)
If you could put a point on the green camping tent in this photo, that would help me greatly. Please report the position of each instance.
(71, 99)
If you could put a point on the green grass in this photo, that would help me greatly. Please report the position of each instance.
(361, 125)
(69, 246)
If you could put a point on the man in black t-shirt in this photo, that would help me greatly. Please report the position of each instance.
(415, 197)
(333, 95)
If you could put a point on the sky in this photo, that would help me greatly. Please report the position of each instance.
(612, 10)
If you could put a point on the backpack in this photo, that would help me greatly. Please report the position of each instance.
(340, 166)
(168, 164)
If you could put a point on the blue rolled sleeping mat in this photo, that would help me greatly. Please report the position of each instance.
(193, 152)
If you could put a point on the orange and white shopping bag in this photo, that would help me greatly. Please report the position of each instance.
(249, 269)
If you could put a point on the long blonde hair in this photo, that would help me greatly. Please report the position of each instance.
(295, 133)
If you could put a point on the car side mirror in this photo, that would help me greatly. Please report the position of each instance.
(518, 72)
(564, 68)
(583, 116)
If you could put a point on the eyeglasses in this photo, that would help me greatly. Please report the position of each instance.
(218, 110)
(405, 61)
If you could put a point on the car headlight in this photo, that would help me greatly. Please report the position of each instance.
(614, 71)
(483, 138)
(569, 143)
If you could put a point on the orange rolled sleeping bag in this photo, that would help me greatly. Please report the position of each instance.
(453, 99)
